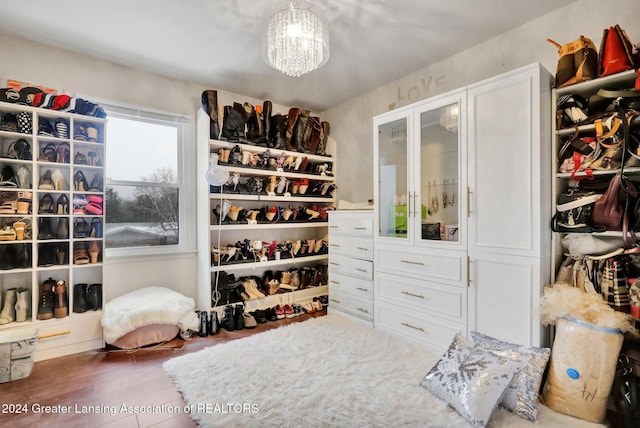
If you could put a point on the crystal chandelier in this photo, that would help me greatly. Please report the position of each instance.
(297, 39)
(449, 117)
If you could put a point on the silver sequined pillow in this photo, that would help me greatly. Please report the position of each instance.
(521, 396)
(471, 380)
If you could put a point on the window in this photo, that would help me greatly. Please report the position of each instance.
(146, 190)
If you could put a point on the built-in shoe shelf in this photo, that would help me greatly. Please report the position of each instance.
(56, 161)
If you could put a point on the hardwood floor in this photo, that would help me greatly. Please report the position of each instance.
(102, 388)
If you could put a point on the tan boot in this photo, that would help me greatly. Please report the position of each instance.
(8, 313)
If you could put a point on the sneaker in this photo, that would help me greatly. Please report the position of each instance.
(288, 311)
(260, 316)
(317, 305)
(271, 314)
(279, 312)
(297, 309)
(309, 307)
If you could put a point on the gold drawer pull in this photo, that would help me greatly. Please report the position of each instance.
(362, 289)
(334, 245)
(360, 228)
(46, 336)
(334, 227)
(413, 327)
(335, 301)
(335, 282)
(362, 248)
(363, 310)
(412, 295)
(362, 270)
(412, 263)
(334, 263)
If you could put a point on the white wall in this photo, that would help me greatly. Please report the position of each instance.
(351, 124)
(351, 127)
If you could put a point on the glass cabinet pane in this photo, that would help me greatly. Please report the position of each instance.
(392, 170)
(439, 174)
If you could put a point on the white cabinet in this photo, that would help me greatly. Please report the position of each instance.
(351, 264)
(509, 209)
(462, 211)
(52, 221)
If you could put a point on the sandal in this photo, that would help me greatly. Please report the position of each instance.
(80, 256)
(7, 234)
(80, 159)
(48, 153)
(9, 207)
(63, 153)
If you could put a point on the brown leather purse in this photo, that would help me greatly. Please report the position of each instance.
(578, 62)
(610, 210)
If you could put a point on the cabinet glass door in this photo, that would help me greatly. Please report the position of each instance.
(439, 178)
(393, 179)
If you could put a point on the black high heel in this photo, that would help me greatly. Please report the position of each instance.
(80, 182)
(62, 205)
(46, 204)
(96, 183)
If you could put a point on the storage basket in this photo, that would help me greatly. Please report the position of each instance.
(16, 353)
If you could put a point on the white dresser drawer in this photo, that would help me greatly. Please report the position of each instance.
(350, 266)
(362, 288)
(345, 302)
(351, 223)
(351, 246)
(424, 296)
(443, 265)
(63, 336)
(424, 331)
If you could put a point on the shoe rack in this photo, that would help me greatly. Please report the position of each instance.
(52, 221)
(273, 196)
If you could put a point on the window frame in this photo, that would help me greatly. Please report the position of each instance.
(185, 182)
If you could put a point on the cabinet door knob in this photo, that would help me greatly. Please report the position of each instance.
(362, 289)
(335, 301)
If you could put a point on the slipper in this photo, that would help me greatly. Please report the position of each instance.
(81, 257)
(44, 127)
(9, 123)
(96, 199)
(93, 208)
(62, 128)
(60, 102)
(7, 234)
(9, 207)
(27, 94)
(9, 95)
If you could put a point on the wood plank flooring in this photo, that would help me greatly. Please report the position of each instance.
(102, 388)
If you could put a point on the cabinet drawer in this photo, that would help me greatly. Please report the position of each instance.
(350, 266)
(424, 296)
(351, 246)
(448, 266)
(351, 224)
(361, 308)
(425, 331)
(362, 288)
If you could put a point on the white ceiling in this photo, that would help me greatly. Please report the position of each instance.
(218, 42)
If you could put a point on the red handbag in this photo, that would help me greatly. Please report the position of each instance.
(616, 52)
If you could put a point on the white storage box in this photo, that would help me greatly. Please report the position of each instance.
(16, 353)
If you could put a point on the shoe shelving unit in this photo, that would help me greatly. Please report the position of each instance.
(60, 198)
(562, 133)
(220, 234)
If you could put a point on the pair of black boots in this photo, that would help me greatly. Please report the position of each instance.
(233, 317)
(15, 256)
(209, 323)
(87, 297)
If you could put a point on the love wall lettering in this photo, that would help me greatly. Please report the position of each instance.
(416, 92)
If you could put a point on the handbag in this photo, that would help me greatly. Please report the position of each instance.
(578, 62)
(610, 210)
(616, 52)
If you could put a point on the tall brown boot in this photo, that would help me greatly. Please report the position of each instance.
(312, 135)
(322, 144)
(266, 120)
(292, 119)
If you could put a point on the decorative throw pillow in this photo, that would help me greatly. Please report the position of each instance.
(471, 380)
(521, 396)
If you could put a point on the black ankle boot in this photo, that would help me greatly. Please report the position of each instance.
(7, 257)
(80, 298)
(204, 325)
(228, 322)
(238, 316)
(213, 325)
(23, 260)
(234, 123)
(94, 297)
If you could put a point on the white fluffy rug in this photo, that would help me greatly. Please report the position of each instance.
(323, 372)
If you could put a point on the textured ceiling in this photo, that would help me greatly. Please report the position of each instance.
(218, 42)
